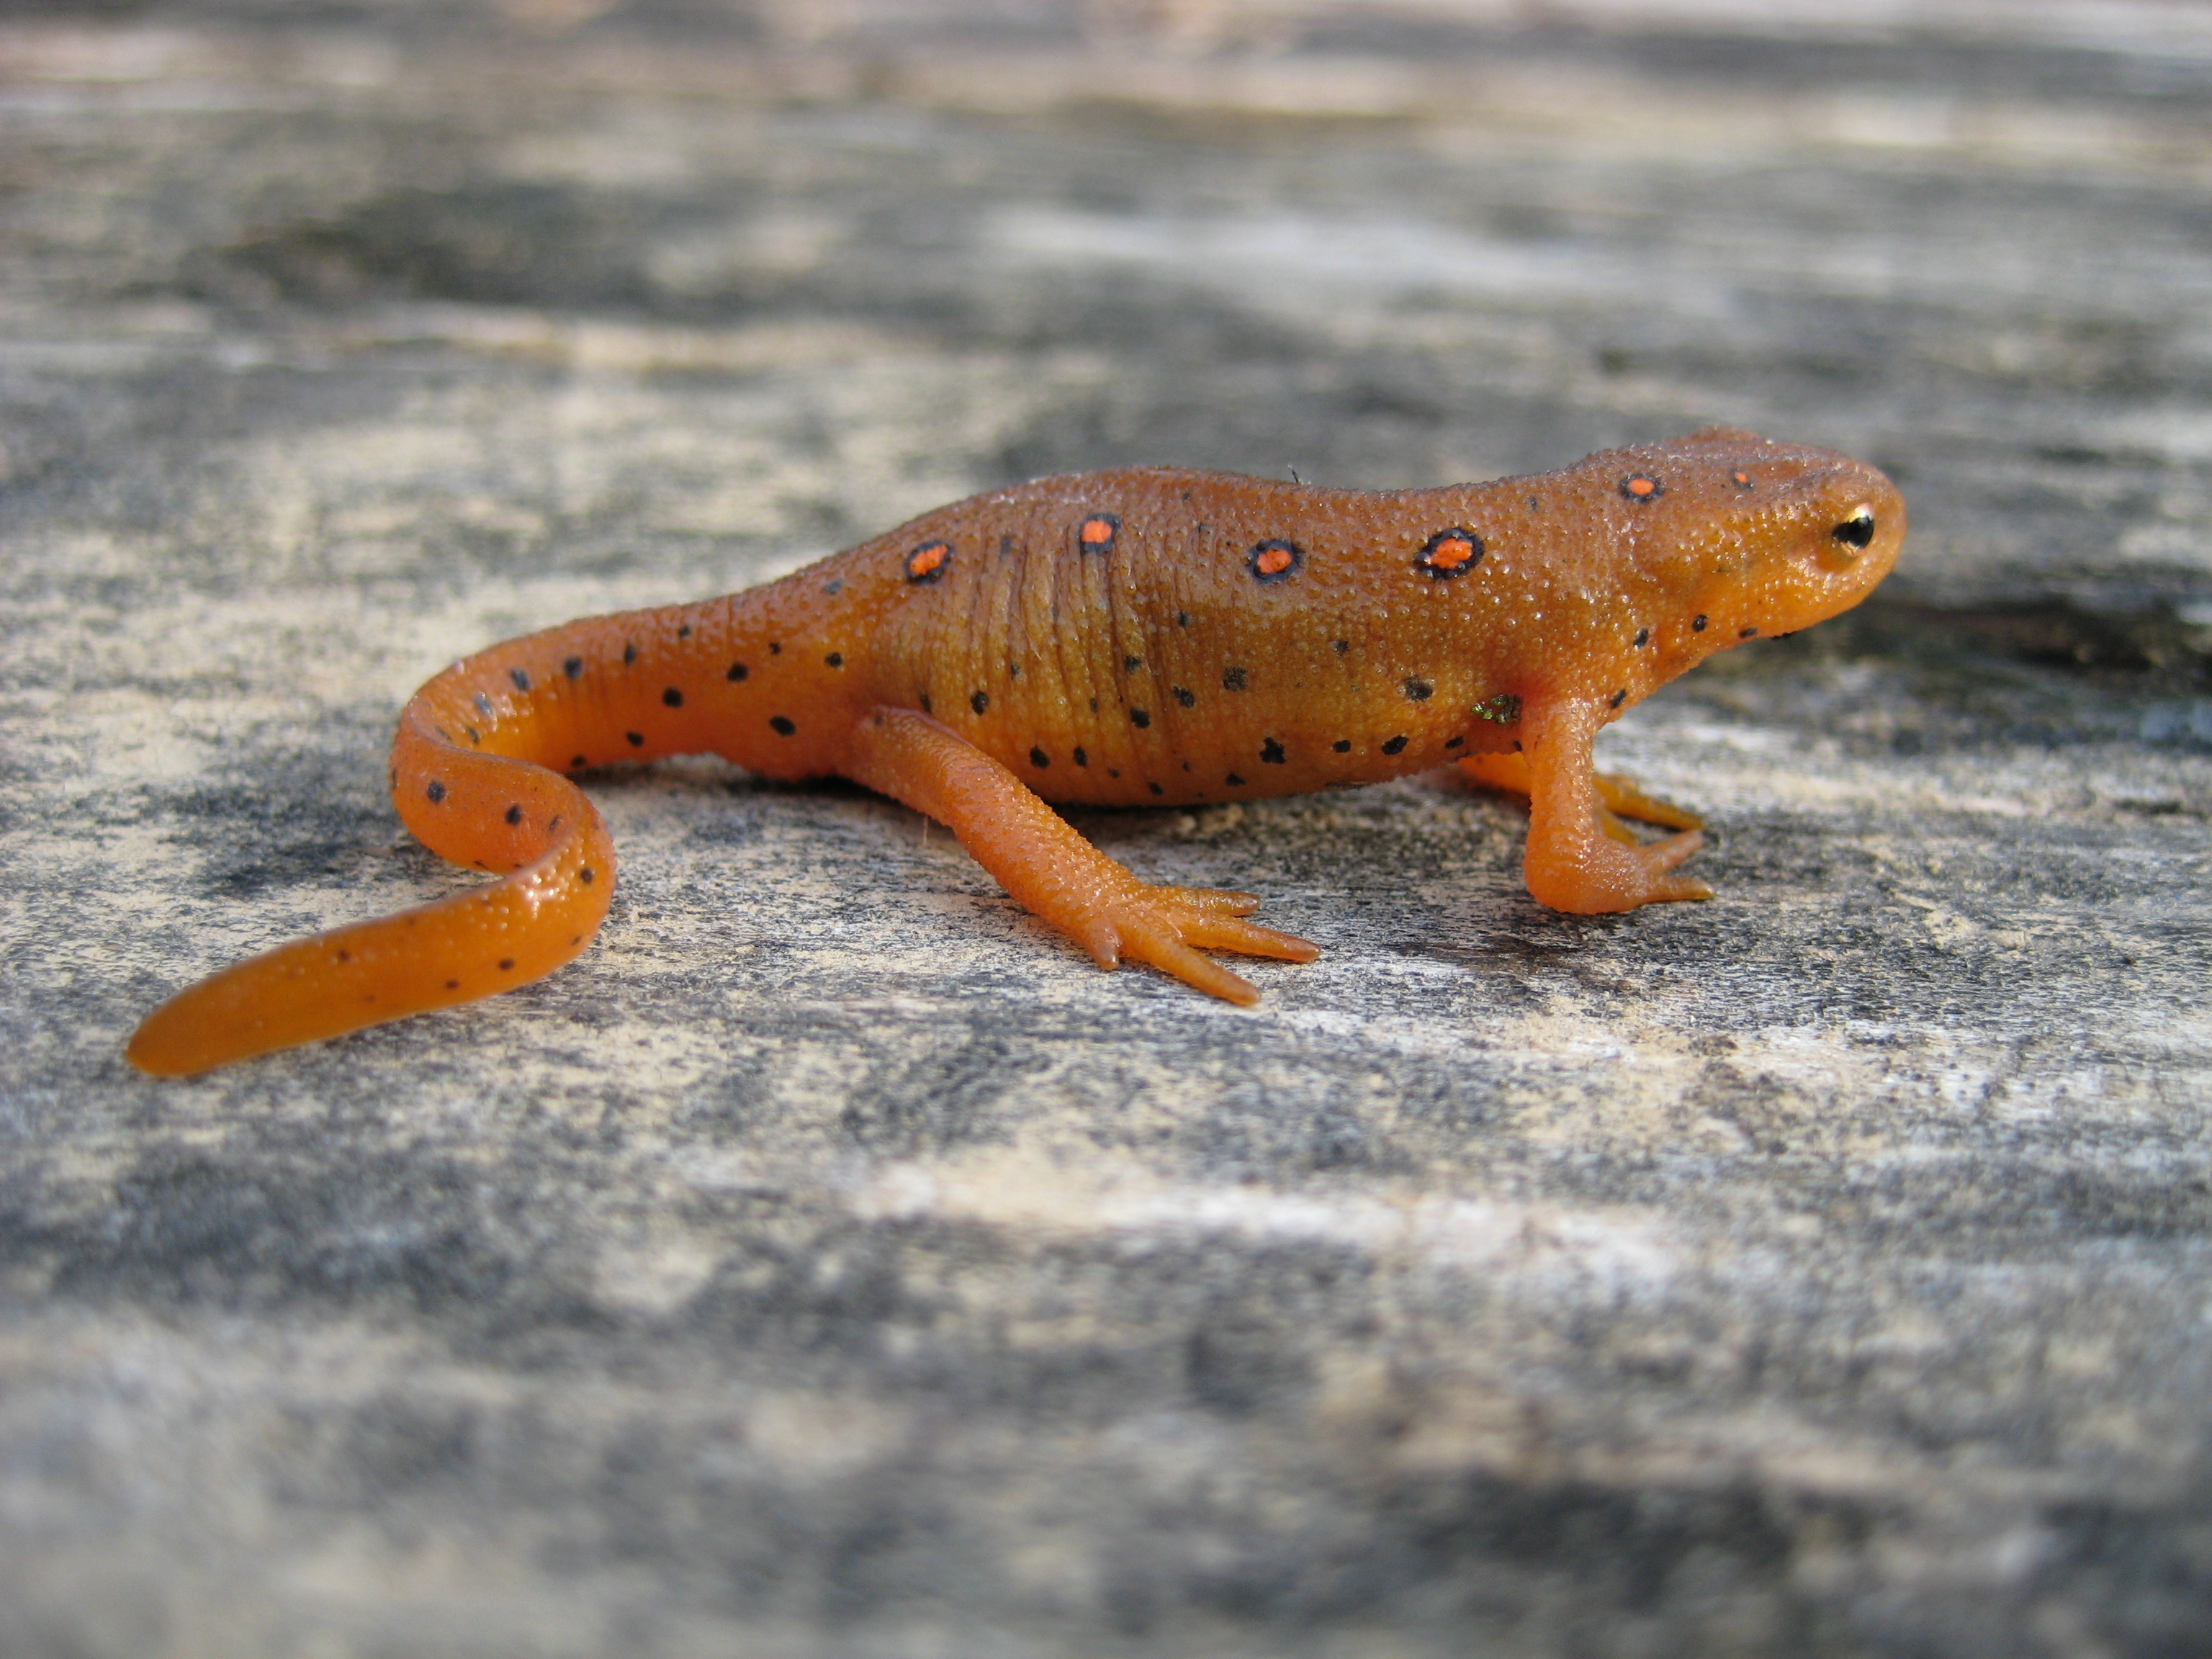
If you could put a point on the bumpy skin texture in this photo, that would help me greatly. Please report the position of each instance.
(1143, 636)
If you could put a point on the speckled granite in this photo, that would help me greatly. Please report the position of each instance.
(831, 1262)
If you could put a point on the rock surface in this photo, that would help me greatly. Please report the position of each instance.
(832, 1263)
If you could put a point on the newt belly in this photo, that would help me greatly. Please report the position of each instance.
(1142, 636)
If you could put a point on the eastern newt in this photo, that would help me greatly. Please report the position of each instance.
(1141, 636)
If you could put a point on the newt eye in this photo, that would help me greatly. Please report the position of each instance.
(1858, 531)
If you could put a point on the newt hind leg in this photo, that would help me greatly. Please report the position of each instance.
(1055, 874)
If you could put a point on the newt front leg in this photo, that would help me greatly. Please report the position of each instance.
(1573, 863)
(1622, 799)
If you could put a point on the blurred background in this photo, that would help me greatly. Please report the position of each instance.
(1387, 244)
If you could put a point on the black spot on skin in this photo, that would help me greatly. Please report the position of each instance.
(1618, 698)
(435, 791)
(684, 630)
(453, 985)
(1697, 624)
(474, 735)
(1141, 718)
(1183, 619)
(574, 668)
(1156, 789)
(629, 653)
(1272, 752)
(1185, 766)
(782, 725)
(1342, 746)
(1643, 636)
(1419, 690)
(588, 875)
(1342, 645)
(737, 671)
(1234, 679)
(345, 956)
(1532, 504)
(483, 705)
(1395, 746)
(514, 813)
(578, 764)
(636, 739)
(774, 649)
(1454, 743)
(979, 701)
(833, 587)
(1038, 757)
(926, 705)
(1113, 771)
(554, 826)
(673, 697)
(1082, 759)
(507, 965)
(1013, 671)
(1233, 778)
(521, 680)
(1131, 665)
(1746, 633)
(835, 659)
(1186, 698)
(1094, 705)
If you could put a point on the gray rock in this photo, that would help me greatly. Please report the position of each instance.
(832, 1262)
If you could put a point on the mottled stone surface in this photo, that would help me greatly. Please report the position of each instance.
(832, 1263)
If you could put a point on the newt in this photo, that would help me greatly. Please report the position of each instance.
(1142, 636)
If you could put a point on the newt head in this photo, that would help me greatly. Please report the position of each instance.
(1752, 539)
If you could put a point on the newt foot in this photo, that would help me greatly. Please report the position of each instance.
(1170, 927)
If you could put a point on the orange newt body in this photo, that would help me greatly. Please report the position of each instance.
(1143, 636)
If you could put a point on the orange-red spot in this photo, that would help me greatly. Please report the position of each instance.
(1098, 531)
(1273, 560)
(1451, 551)
(1743, 479)
(1640, 487)
(927, 561)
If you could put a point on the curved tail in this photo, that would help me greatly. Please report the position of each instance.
(491, 811)
(477, 775)
(470, 777)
